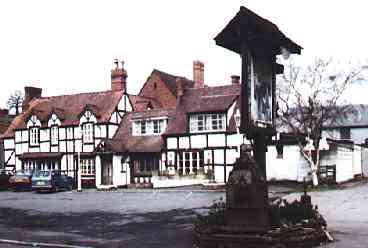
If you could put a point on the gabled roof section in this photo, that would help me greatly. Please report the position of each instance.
(68, 108)
(170, 81)
(203, 100)
(248, 27)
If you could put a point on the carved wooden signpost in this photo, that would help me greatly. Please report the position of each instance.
(247, 220)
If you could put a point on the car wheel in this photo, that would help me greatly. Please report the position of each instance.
(56, 188)
(70, 187)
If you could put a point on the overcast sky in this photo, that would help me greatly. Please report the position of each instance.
(68, 46)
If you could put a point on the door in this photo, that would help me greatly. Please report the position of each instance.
(106, 171)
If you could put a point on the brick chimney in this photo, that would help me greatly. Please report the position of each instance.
(235, 79)
(29, 94)
(118, 77)
(179, 88)
(198, 74)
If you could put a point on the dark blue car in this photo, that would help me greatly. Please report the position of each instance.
(51, 180)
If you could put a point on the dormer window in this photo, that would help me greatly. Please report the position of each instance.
(54, 135)
(87, 131)
(207, 122)
(34, 136)
(149, 127)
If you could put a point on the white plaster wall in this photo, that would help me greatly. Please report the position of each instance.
(25, 135)
(88, 148)
(235, 140)
(78, 146)
(122, 106)
(24, 147)
(63, 162)
(98, 171)
(44, 135)
(44, 147)
(230, 112)
(54, 149)
(198, 141)
(8, 143)
(18, 149)
(18, 136)
(120, 178)
(344, 165)
(171, 143)
(216, 140)
(11, 155)
(62, 146)
(219, 160)
(112, 130)
(231, 156)
(291, 167)
(358, 135)
(183, 142)
(62, 133)
(18, 164)
(357, 160)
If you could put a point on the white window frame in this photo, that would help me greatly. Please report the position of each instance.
(210, 122)
(34, 136)
(54, 135)
(149, 127)
(87, 131)
(88, 167)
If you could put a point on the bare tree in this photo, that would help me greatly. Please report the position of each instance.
(15, 101)
(311, 97)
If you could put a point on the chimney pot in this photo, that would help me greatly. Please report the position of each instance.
(235, 79)
(118, 77)
(29, 94)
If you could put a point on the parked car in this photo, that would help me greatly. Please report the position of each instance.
(21, 180)
(4, 178)
(51, 180)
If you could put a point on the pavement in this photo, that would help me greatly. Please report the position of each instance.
(156, 218)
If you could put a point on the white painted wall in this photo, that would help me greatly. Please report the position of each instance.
(215, 140)
(198, 141)
(172, 143)
(291, 167)
(184, 142)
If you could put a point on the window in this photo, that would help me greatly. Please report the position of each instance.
(207, 122)
(280, 151)
(345, 133)
(149, 127)
(54, 135)
(87, 166)
(34, 136)
(88, 133)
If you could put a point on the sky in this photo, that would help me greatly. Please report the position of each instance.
(68, 46)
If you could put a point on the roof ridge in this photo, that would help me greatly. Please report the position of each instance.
(81, 93)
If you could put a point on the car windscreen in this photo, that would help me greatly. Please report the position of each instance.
(42, 174)
(23, 173)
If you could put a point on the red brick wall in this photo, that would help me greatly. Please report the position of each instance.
(161, 93)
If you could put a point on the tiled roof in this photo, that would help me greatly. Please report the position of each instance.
(141, 103)
(68, 108)
(356, 116)
(5, 122)
(124, 141)
(208, 99)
